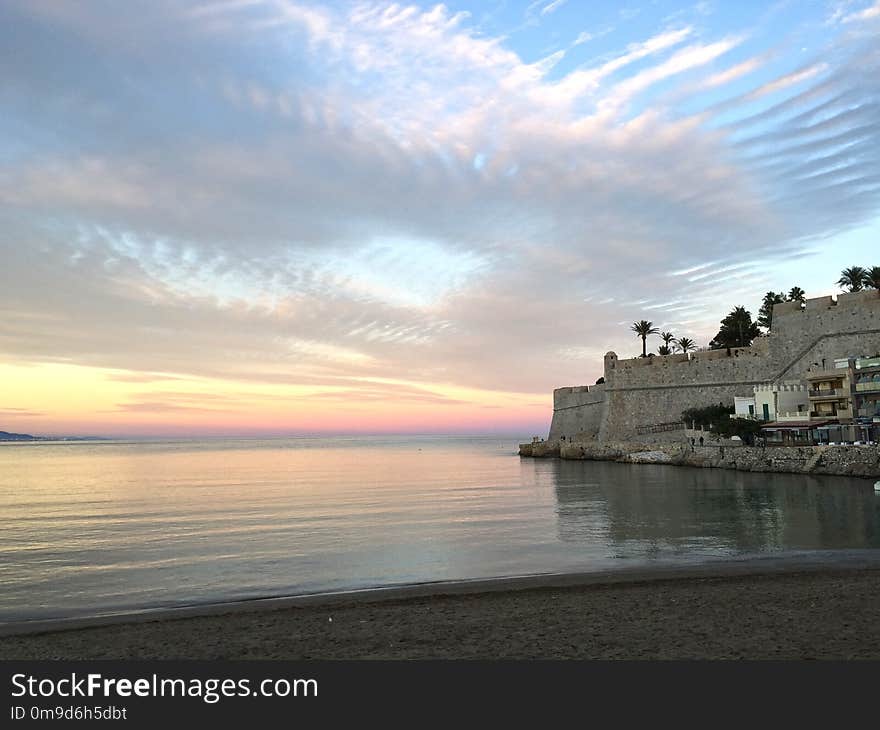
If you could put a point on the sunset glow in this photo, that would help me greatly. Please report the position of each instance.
(282, 218)
(63, 399)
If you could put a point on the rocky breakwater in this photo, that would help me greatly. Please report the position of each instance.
(540, 449)
(853, 461)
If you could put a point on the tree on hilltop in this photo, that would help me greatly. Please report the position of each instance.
(871, 279)
(668, 340)
(852, 279)
(737, 330)
(643, 329)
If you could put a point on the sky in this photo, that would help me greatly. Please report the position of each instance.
(273, 217)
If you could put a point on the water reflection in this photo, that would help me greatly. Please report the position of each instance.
(90, 528)
(677, 508)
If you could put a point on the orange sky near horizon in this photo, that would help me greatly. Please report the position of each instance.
(62, 399)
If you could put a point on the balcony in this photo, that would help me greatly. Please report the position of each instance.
(827, 415)
(827, 374)
(811, 416)
(863, 363)
(868, 387)
(828, 393)
(794, 417)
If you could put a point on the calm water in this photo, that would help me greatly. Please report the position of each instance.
(88, 528)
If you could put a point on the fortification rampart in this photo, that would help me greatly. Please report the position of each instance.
(642, 392)
(577, 412)
(743, 363)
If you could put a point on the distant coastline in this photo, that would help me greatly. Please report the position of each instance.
(8, 437)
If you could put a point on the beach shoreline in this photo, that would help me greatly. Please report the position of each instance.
(805, 605)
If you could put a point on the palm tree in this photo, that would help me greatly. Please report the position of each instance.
(871, 279)
(643, 329)
(686, 343)
(796, 294)
(664, 350)
(668, 338)
(852, 279)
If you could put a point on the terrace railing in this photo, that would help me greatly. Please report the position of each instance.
(827, 392)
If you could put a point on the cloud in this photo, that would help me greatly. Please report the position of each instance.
(731, 74)
(552, 7)
(784, 82)
(684, 60)
(19, 412)
(378, 393)
(163, 408)
(271, 192)
(564, 93)
(140, 377)
(869, 13)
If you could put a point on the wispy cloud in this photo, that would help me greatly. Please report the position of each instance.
(552, 6)
(784, 82)
(140, 377)
(164, 407)
(367, 393)
(275, 192)
(20, 412)
(869, 13)
(684, 60)
(731, 74)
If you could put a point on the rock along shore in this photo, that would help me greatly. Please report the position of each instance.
(853, 461)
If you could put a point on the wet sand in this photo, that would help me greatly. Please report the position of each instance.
(793, 609)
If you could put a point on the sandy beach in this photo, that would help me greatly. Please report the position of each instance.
(790, 609)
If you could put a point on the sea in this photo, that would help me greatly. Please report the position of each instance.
(102, 528)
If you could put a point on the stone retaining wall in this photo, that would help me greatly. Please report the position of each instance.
(853, 461)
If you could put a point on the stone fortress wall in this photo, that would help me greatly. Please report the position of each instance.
(577, 410)
(642, 396)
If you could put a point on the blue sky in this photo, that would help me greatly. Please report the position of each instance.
(420, 197)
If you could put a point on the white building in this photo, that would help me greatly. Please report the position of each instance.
(780, 401)
(744, 406)
(774, 401)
